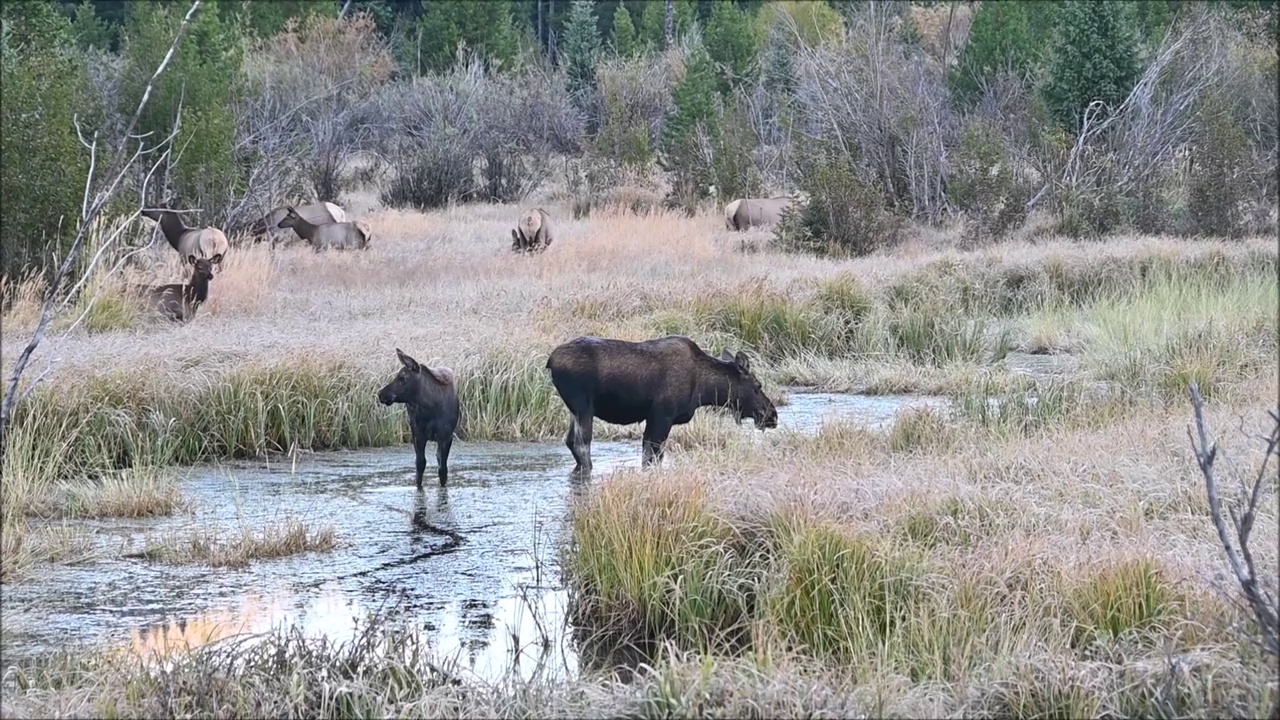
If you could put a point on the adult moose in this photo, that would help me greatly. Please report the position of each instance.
(206, 242)
(430, 396)
(180, 301)
(658, 382)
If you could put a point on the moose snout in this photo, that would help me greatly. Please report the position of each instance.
(769, 421)
(385, 397)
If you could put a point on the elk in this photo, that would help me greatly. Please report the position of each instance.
(339, 236)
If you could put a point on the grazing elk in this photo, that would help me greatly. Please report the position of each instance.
(180, 301)
(430, 397)
(659, 382)
(321, 213)
(533, 232)
(339, 236)
(745, 213)
(206, 242)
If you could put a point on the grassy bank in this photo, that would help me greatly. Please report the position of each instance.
(995, 573)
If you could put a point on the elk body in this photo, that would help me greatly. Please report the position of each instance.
(659, 382)
(746, 213)
(533, 232)
(430, 396)
(206, 242)
(339, 236)
(180, 301)
(321, 213)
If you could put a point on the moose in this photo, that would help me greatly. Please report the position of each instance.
(180, 301)
(321, 213)
(206, 242)
(338, 235)
(745, 213)
(533, 232)
(430, 397)
(660, 382)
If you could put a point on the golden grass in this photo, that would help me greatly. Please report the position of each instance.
(220, 548)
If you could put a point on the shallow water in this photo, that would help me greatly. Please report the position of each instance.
(474, 564)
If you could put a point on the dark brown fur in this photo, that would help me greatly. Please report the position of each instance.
(659, 382)
(430, 397)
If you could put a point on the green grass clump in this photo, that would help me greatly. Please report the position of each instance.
(671, 569)
(1120, 599)
(836, 594)
(921, 429)
(510, 397)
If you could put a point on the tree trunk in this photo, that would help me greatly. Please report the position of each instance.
(669, 29)
(542, 35)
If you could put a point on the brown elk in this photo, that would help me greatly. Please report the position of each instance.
(658, 382)
(533, 232)
(745, 213)
(179, 301)
(203, 242)
(321, 213)
(339, 236)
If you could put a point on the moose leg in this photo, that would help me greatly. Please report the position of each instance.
(656, 431)
(581, 433)
(420, 454)
(442, 459)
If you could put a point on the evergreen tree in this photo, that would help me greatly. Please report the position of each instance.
(624, 32)
(1000, 38)
(653, 21)
(731, 44)
(89, 30)
(482, 27)
(694, 99)
(580, 50)
(1094, 57)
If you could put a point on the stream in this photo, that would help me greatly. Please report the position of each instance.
(474, 564)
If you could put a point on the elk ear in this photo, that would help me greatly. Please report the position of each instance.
(216, 259)
(743, 362)
(408, 362)
(191, 259)
(514, 236)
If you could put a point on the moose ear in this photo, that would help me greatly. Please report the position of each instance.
(726, 356)
(409, 363)
(743, 362)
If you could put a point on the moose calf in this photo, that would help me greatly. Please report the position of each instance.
(430, 396)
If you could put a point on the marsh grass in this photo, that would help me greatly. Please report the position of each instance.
(219, 548)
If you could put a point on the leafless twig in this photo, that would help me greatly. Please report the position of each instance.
(1260, 600)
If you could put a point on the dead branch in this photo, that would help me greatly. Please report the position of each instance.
(1261, 601)
(117, 173)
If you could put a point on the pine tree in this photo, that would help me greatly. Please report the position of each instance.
(731, 44)
(1000, 38)
(483, 27)
(1095, 57)
(694, 99)
(580, 49)
(624, 32)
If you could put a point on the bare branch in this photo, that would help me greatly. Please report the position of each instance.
(1239, 557)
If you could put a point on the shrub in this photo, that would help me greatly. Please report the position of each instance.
(634, 96)
(1218, 182)
(985, 184)
(845, 214)
(45, 85)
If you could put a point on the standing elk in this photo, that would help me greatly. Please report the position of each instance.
(338, 236)
(205, 242)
